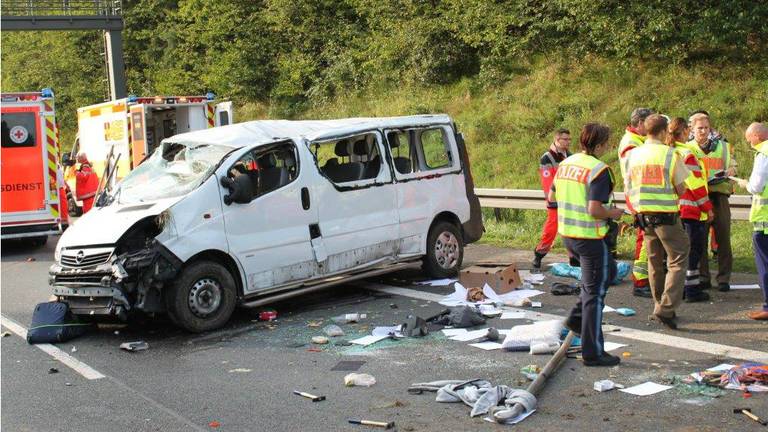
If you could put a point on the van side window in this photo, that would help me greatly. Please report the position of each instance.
(269, 168)
(18, 130)
(401, 148)
(435, 148)
(349, 159)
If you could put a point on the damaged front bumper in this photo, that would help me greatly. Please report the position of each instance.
(117, 285)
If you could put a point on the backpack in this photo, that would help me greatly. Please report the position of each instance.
(52, 322)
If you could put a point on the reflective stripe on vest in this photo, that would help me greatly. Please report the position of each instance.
(758, 214)
(715, 161)
(692, 182)
(572, 181)
(649, 181)
(629, 139)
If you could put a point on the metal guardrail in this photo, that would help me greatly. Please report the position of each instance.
(527, 199)
(62, 7)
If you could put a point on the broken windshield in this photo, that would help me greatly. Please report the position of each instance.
(174, 169)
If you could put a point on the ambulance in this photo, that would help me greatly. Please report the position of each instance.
(131, 128)
(29, 166)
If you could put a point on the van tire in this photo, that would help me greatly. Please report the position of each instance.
(202, 298)
(445, 251)
(38, 241)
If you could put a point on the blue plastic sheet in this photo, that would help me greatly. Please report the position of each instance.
(566, 270)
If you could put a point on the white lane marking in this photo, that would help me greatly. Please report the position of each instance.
(625, 332)
(83, 369)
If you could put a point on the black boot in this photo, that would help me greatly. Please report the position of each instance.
(574, 262)
(604, 360)
(695, 296)
(537, 257)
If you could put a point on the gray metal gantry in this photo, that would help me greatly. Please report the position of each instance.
(106, 15)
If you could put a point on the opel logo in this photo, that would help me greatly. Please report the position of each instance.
(79, 257)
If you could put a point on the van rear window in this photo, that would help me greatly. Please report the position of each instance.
(18, 130)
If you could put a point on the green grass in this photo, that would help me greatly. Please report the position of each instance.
(521, 229)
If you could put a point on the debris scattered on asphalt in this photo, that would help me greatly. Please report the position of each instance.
(74, 349)
(626, 354)
(53, 371)
(134, 346)
(748, 412)
(392, 306)
(314, 350)
(360, 380)
(385, 425)
(610, 346)
(68, 384)
(314, 324)
(625, 311)
(333, 330)
(214, 424)
(530, 371)
(747, 377)
(31, 259)
(606, 385)
(309, 396)
(389, 331)
(436, 282)
(487, 346)
(268, 315)
(368, 340)
(320, 340)
(348, 365)
(560, 289)
(512, 315)
(536, 304)
(239, 370)
(543, 348)
(349, 318)
(343, 343)
(5, 334)
(646, 389)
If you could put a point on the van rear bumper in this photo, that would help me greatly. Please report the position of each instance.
(21, 231)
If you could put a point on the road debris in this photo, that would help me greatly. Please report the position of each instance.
(134, 346)
(5, 334)
(349, 318)
(606, 385)
(74, 349)
(53, 371)
(239, 370)
(530, 371)
(268, 315)
(385, 425)
(320, 340)
(31, 259)
(333, 330)
(314, 324)
(646, 389)
(359, 380)
(348, 365)
(214, 424)
(309, 396)
(625, 311)
(748, 412)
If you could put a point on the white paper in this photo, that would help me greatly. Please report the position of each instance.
(536, 304)
(454, 332)
(459, 296)
(515, 420)
(610, 346)
(385, 331)
(488, 346)
(513, 315)
(646, 389)
(470, 335)
(520, 294)
(752, 286)
(437, 282)
(490, 310)
(607, 309)
(367, 340)
(532, 278)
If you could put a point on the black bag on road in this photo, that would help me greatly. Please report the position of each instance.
(52, 322)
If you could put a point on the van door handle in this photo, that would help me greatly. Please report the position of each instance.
(305, 198)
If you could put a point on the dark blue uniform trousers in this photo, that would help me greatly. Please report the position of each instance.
(598, 269)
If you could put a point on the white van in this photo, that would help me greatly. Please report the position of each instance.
(259, 211)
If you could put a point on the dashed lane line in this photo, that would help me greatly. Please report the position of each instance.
(625, 332)
(83, 369)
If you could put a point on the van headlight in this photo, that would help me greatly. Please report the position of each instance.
(57, 255)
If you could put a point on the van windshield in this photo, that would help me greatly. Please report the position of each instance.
(174, 169)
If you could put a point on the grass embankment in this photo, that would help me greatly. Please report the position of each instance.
(508, 126)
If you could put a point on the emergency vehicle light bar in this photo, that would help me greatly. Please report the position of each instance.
(170, 100)
(45, 93)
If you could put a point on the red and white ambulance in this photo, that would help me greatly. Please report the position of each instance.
(31, 182)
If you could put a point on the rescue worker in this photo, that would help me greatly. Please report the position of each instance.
(695, 208)
(720, 164)
(634, 137)
(583, 186)
(655, 179)
(757, 136)
(548, 164)
(87, 182)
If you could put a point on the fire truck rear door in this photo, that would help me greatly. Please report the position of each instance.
(224, 114)
(138, 134)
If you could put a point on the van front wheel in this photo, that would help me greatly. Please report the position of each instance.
(203, 298)
(445, 251)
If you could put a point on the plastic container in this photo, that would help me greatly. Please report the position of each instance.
(356, 379)
(349, 318)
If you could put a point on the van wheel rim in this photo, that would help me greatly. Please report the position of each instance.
(205, 297)
(447, 250)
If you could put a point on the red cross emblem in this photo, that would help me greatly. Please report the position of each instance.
(19, 134)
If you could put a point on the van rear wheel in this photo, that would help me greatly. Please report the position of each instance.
(445, 251)
(203, 298)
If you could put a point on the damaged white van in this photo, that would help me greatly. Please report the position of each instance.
(259, 211)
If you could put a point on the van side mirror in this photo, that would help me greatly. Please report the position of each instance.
(240, 189)
(66, 160)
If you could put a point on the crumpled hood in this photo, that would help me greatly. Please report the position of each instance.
(105, 225)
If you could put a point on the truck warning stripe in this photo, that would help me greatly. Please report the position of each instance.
(48, 105)
(52, 150)
(210, 115)
(118, 108)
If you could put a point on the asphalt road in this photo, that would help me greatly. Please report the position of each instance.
(242, 376)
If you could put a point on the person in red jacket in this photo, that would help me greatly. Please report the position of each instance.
(695, 208)
(87, 182)
(548, 164)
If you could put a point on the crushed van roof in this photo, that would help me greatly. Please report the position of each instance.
(265, 131)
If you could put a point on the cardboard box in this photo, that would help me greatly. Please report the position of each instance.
(503, 278)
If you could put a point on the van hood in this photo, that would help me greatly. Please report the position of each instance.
(105, 225)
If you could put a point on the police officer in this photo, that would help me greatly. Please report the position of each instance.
(548, 164)
(654, 181)
(757, 136)
(634, 136)
(583, 185)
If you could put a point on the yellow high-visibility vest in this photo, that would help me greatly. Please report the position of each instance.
(692, 182)
(572, 181)
(758, 214)
(630, 139)
(649, 179)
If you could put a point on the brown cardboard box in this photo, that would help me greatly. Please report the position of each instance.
(502, 278)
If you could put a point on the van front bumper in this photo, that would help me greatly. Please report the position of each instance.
(93, 301)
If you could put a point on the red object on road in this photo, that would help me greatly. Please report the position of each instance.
(268, 315)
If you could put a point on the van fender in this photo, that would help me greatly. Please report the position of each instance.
(225, 259)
